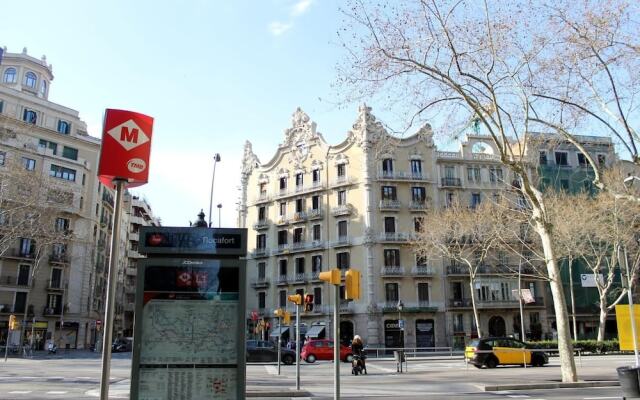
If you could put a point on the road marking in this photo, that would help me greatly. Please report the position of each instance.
(518, 396)
(271, 370)
(370, 365)
(601, 398)
(20, 392)
(57, 392)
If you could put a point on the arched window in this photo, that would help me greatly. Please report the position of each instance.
(9, 75)
(43, 88)
(30, 79)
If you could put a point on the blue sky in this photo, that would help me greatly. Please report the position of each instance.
(212, 73)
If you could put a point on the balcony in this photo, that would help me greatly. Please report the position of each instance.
(314, 214)
(423, 270)
(13, 281)
(282, 220)
(417, 205)
(260, 252)
(346, 307)
(342, 181)
(283, 280)
(281, 249)
(341, 242)
(457, 269)
(55, 285)
(450, 182)
(261, 224)
(315, 276)
(58, 258)
(262, 198)
(448, 155)
(393, 237)
(17, 253)
(459, 303)
(299, 216)
(260, 283)
(300, 278)
(392, 271)
(297, 246)
(48, 311)
(401, 176)
(344, 209)
(390, 205)
(7, 309)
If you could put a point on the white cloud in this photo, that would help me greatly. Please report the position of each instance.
(300, 7)
(277, 28)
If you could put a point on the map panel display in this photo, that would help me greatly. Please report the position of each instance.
(189, 332)
(187, 384)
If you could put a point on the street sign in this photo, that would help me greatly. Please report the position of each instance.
(589, 280)
(126, 148)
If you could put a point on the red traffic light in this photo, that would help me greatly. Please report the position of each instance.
(308, 299)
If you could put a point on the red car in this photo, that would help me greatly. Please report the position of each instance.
(322, 349)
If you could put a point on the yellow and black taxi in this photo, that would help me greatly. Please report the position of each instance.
(493, 351)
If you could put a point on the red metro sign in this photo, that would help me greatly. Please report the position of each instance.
(126, 148)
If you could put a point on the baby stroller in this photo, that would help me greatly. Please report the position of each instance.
(357, 364)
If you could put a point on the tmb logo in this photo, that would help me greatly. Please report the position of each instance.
(129, 135)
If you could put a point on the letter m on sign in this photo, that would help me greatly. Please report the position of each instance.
(129, 135)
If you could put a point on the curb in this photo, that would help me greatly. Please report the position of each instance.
(289, 393)
(555, 385)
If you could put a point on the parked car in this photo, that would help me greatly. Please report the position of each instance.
(265, 351)
(122, 345)
(493, 351)
(322, 349)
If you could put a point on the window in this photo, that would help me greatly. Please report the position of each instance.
(473, 174)
(262, 300)
(449, 199)
(283, 183)
(391, 292)
(63, 127)
(417, 224)
(316, 232)
(475, 200)
(283, 209)
(495, 174)
(389, 193)
(29, 116)
(44, 144)
(43, 88)
(299, 180)
(282, 238)
(582, 160)
(389, 225)
(262, 213)
(56, 278)
(300, 292)
(543, 158)
(416, 168)
(317, 296)
(262, 270)
(458, 323)
(561, 158)
(298, 235)
(315, 175)
(263, 189)
(299, 205)
(423, 292)
(261, 241)
(316, 263)
(315, 202)
(282, 267)
(418, 194)
(391, 257)
(300, 265)
(342, 260)
(449, 172)
(387, 166)
(62, 173)
(9, 75)
(342, 229)
(30, 79)
(28, 163)
(342, 197)
(342, 169)
(62, 224)
(27, 246)
(282, 298)
(602, 159)
(3, 157)
(23, 274)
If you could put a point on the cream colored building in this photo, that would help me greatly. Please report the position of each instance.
(315, 206)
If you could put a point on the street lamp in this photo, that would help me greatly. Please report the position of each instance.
(219, 213)
(216, 159)
(400, 327)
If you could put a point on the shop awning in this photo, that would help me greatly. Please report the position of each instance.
(275, 332)
(315, 331)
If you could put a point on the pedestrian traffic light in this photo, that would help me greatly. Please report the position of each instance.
(287, 318)
(13, 324)
(352, 284)
(295, 298)
(308, 302)
(331, 276)
(279, 313)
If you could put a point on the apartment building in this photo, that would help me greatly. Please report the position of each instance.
(53, 286)
(357, 204)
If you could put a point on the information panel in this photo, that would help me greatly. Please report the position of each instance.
(189, 330)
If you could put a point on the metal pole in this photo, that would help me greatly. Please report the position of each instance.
(111, 293)
(336, 343)
(216, 158)
(631, 308)
(520, 301)
(297, 347)
(6, 344)
(219, 215)
(279, 343)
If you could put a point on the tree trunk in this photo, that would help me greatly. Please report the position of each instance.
(475, 308)
(603, 318)
(573, 300)
(565, 347)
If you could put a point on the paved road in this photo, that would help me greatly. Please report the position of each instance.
(78, 378)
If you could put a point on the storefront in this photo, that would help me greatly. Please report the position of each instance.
(393, 335)
(67, 336)
(35, 333)
(425, 337)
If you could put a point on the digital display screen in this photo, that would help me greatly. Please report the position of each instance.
(191, 282)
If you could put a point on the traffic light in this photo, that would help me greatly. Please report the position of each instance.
(287, 318)
(308, 302)
(13, 324)
(352, 284)
(331, 276)
(295, 298)
(279, 313)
